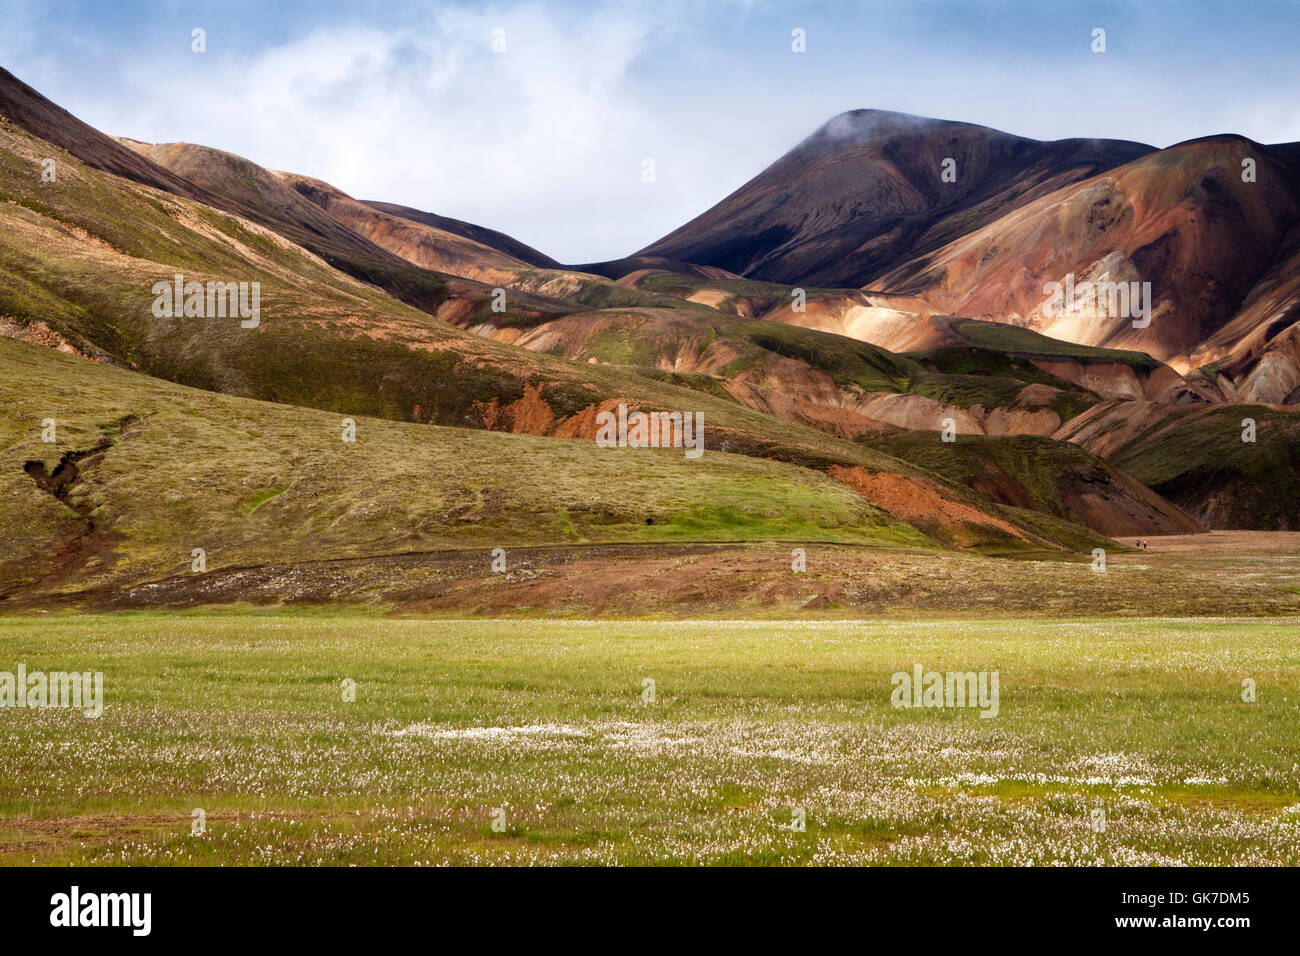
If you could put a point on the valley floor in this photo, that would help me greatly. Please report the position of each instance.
(1221, 573)
(1116, 741)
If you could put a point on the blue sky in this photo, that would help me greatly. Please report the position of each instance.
(407, 102)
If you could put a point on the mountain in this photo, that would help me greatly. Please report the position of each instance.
(1183, 219)
(28, 110)
(1230, 466)
(381, 247)
(416, 237)
(971, 283)
(80, 259)
(865, 193)
(995, 393)
(419, 243)
(860, 217)
(1255, 355)
(23, 107)
(467, 230)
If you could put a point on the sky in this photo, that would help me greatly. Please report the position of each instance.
(547, 136)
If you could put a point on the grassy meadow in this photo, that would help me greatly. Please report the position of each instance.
(1116, 742)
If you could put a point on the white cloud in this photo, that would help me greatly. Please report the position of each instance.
(544, 140)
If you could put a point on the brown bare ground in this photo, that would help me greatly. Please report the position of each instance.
(918, 503)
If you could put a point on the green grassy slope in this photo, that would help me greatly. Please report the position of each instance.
(1201, 463)
(1013, 340)
(706, 351)
(1051, 477)
(655, 339)
(253, 482)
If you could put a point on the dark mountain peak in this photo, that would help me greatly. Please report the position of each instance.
(869, 189)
